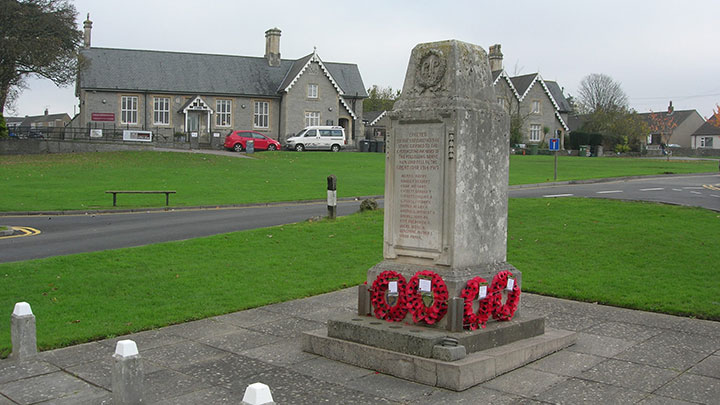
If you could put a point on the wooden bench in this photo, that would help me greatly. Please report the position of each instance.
(116, 192)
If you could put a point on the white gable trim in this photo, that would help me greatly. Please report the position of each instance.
(198, 104)
(509, 82)
(379, 117)
(557, 114)
(316, 58)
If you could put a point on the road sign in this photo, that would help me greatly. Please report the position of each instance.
(554, 144)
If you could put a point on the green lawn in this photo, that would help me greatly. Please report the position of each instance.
(637, 255)
(78, 181)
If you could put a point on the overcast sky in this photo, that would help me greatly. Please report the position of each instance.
(658, 50)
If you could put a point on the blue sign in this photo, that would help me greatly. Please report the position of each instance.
(554, 144)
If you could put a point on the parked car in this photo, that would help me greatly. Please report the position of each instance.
(237, 140)
(33, 134)
(318, 138)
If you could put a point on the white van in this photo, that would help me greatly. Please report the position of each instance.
(318, 138)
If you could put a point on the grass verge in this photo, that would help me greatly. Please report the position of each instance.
(78, 181)
(644, 256)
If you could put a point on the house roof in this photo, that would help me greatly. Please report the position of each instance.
(372, 117)
(557, 94)
(707, 129)
(44, 118)
(678, 115)
(523, 83)
(180, 72)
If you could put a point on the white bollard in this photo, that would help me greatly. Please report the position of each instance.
(22, 332)
(257, 394)
(127, 375)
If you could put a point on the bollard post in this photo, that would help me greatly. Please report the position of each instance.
(363, 300)
(127, 374)
(22, 332)
(332, 196)
(257, 394)
(455, 312)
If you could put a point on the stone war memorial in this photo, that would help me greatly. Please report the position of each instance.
(442, 307)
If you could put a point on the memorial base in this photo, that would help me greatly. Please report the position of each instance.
(464, 360)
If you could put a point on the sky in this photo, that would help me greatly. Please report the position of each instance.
(657, 50)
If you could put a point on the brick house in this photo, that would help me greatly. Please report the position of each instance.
(539, 103)
(208, 95)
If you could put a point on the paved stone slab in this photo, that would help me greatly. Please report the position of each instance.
(630, 375)
(566, 363)
(250, 317)
(709, 367)
(199, 329)
(625, 331)
(472, 396)
(146, 340)
(164, 384)
(391, 388)
(599, 345)
(670, 357)
(575, 391)
(284, 352)
(183, 354)
(324, 314)
(231, 372)
(525, 382)
(239, 341)
(78, 354)
(691, 387)
(5, 401)
(286, 327)
(12, 371)
(214, 395)
(46, 387)
(687, 341)
(330, 370)
(702, 327)
(569, 321)
(659, 400)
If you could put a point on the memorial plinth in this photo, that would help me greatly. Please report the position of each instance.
(445, 225)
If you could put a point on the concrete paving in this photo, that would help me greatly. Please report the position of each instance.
(622, 356)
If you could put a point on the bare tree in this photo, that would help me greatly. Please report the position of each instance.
(599, 92)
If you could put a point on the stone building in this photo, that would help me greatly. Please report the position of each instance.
(539, 104)
(681, 124)
(204, 95)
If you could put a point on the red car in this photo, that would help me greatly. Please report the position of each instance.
(237, 140)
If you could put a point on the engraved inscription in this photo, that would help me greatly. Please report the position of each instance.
(418, 175)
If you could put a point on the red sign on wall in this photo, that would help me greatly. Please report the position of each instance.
(102, 116)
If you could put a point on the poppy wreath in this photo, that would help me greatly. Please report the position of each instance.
(382, 309)
(437, 310)
(486, 306)
(504, 312)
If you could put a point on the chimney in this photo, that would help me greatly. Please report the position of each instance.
(88, 27)
(496, 58)
(272, 46)
(670, 108)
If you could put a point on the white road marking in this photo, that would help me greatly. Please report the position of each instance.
(696, 192)
(558, 195)
(609, 192)
(652, 189)
(713, 195)
(693, 188)
(676, 189)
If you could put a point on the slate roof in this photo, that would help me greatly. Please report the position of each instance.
(194, 73)
(678, 115)
(557, 94)
(707, 129)
(372, 116)
(521, 83)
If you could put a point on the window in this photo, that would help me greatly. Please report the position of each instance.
(312, 91)
(534, 133)
(161, 111)
(706, 142)
(262, 114)
(128, 109)
(501, 102)
(312, 118)
(535, 107)
(222, 113)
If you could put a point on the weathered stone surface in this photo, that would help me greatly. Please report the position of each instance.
(127, 378)
(458, 375)
(22, 334)
(575, 391)
(420, 341)
(46, 387)
(630, 375)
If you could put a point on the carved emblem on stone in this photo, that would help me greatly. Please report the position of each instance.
(431, 69)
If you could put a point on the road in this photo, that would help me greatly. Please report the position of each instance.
(68, 234)
(691, 190)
